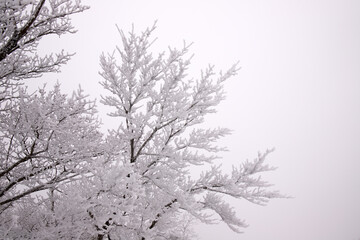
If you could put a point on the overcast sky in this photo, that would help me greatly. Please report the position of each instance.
(298, 91)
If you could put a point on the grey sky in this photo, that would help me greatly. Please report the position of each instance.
(298, 91)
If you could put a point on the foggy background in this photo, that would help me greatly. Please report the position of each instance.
(298, 91)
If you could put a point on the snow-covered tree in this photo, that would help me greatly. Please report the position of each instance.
(42, 135)
(23, 23)
(144, 186)
(46, 138)
(59, 179)
(31, 124)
